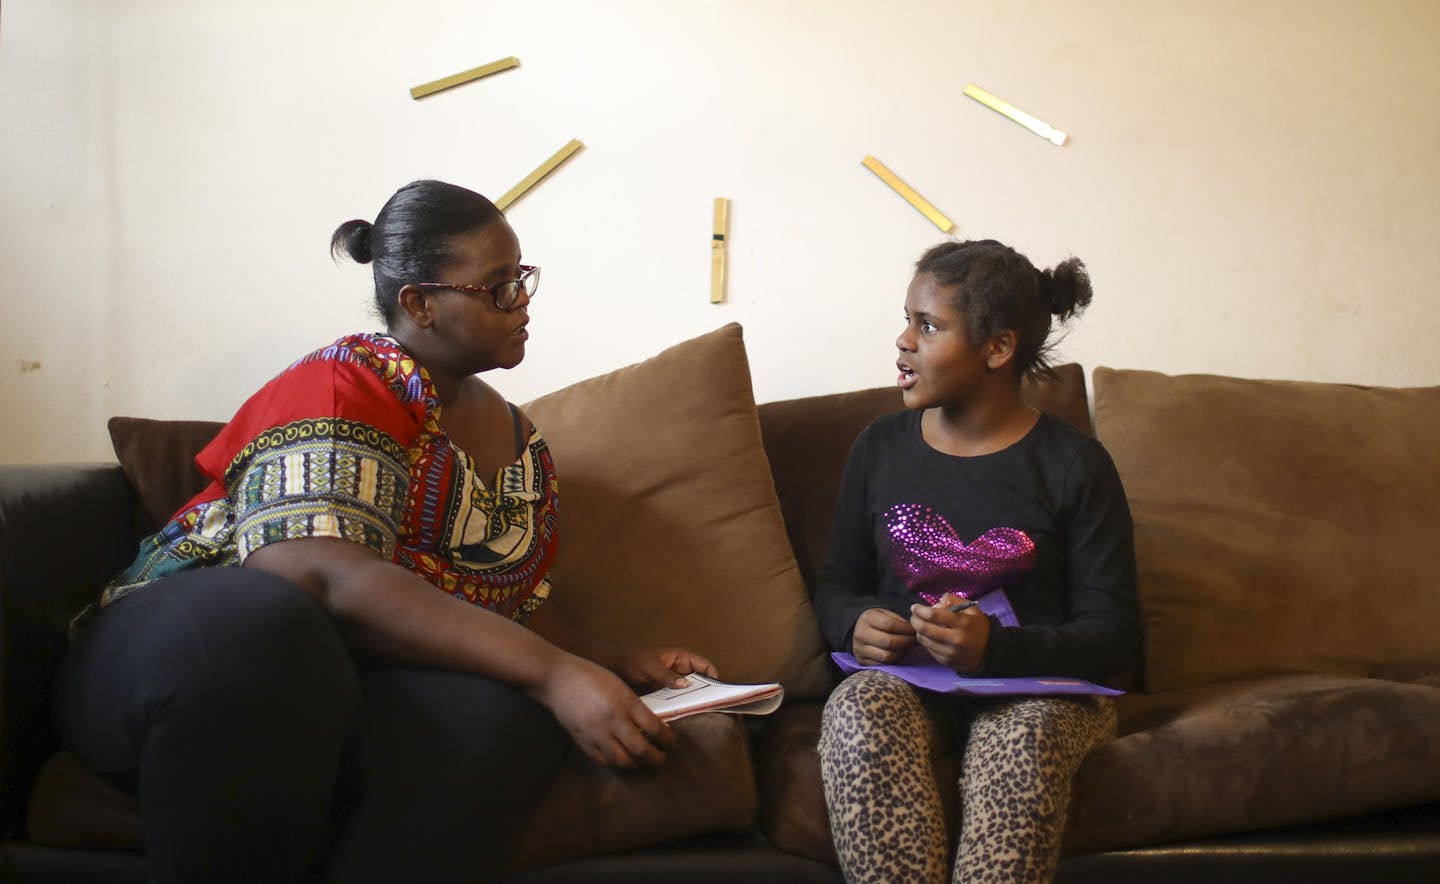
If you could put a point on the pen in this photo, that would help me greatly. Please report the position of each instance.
(956, 609)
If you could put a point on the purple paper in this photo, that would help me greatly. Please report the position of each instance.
(997, 605)
(932, 676)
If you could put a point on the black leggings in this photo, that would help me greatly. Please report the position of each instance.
(225, 700)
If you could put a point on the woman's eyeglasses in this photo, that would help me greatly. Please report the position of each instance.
(504, 294)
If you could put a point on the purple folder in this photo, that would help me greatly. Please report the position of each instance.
(923, 672)
(931, 676)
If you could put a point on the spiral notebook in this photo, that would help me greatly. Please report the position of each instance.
(702, 694)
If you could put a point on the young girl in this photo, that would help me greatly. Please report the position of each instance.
(968, 492)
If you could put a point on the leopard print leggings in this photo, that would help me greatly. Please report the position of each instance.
(886, 813)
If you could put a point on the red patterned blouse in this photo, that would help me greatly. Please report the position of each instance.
(347, 443)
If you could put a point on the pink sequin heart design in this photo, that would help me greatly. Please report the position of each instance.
(932, 559)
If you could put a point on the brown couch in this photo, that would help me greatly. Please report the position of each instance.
(1290, 723)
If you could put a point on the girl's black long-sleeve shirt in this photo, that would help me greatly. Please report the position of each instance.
(1074, 595)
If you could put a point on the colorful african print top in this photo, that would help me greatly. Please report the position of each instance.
(347, 443)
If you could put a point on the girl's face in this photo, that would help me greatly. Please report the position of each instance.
(939, 364)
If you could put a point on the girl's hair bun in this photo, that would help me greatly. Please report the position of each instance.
(1066, 287)
(353, 239)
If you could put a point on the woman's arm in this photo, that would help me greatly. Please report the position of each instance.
(391, 614)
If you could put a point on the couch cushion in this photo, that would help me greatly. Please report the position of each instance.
(72, 807)
(1279, 526)
(158, 458)
(706, 785)
(1223, 758)
(807, 441)
(670, 529)
(792, 797)
(1257, 754)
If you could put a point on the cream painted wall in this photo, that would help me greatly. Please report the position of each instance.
(1252, 184)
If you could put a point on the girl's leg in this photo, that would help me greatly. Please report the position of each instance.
(222, 697)
(1019, 764)
(447, 770)
(885, 813)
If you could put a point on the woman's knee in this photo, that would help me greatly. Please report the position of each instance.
(477, 755)
(259, 633)
(232, 639)
(222, 657)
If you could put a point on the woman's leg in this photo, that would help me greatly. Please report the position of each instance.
(886, 818)
(1019, 764)
(448, 769)
(222, 697)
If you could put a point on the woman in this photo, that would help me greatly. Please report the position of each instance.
(969, 493)
(216, 680)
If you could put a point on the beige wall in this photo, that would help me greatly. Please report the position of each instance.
(1253, 184)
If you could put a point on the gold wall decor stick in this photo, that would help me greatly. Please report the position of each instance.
(908, 193)
(717, 250)
(1039, 127)
(540, 172)
(444, 83)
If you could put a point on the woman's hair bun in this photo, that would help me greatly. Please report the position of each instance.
(1066, 287)
(353, 239)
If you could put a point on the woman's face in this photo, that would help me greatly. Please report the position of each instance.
(939, 365)
(468, 326)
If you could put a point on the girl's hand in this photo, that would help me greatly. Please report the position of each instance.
(881, 636)
(665, 667)
(956, 640)
(603, 716)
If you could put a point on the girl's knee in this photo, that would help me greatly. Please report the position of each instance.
(1018, 722)
(1042, 729)
(871, 698)
(871, 687)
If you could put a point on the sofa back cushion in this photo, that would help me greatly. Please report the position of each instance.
(808, 440)
(670, 531)
(1279, 526)
(158, 458)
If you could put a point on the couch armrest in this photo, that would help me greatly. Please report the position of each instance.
(64, 530)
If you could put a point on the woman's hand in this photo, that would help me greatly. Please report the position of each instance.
(661, 667)
(956, 640)
(881, 636)
(603, 716)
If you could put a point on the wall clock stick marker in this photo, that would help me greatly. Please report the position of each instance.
(717, 250)
(534, 178)
(1000, 106)
(453, 80)
(908, 193)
